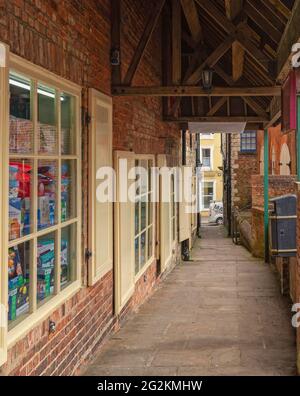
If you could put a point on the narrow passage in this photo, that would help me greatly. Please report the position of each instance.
(220, 314)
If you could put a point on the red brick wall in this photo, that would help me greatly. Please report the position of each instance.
(278, 185)
(246, 167)
(72, 39)
(297, 274)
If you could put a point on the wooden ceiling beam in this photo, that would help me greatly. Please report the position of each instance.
(176, 42)
(233, 9)
(142, 45)
(188, 90)
(211, 60)
(235, 31)
(217, 106)
(192, 18)
(281, 8)
(291, 36)
(255, 107)
(263, 22)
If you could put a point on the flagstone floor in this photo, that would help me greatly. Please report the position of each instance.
(220, 314)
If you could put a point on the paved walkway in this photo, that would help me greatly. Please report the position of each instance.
(221, 314)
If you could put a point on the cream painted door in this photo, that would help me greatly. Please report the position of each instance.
(100, 211)
(285, 160)
(184, 204)
(165, 222)
(123, 234)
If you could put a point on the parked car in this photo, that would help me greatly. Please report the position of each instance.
(216, 213)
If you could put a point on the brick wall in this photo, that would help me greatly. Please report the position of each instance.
(72, 39)
(243, 167)
(278, 185)
(297, 273)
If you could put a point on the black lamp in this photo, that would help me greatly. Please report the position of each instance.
(207, 79)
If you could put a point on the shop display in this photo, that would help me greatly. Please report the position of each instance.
(18, 285)
(19, 199)
(46, 196)
(65, 192)
(20, 135)
(64, 262)
(45, 268)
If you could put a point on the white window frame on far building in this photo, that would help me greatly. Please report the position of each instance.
(203, 208)
(211, 149)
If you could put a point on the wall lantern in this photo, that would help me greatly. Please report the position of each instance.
(207, 79)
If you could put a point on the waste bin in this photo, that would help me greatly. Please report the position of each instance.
(283, 220)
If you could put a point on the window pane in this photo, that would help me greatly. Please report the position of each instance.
(20, 119)
(143, 249)
(68, 255)
(47, 193)
(68, 190)
(18, 280)
(137, 218)
(20, 199)
(47, 120)
(143, 214)
(150, 210)
(150, 242)
(137, 254)
(68, 124)
(45, 266)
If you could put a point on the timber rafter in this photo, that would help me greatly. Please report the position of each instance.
(240, 40)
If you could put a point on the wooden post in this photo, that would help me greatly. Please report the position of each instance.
(266, 194)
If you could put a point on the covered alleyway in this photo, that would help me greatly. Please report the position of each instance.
(220, 314)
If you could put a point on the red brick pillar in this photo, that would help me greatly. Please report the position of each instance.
(297, 272)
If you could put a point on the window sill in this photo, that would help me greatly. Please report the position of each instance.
(32, 320)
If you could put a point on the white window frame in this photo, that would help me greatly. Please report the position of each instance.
(149, 260)
(202, 193)
(211, 167)
(98, 269)
(128, 278)
(207, 136)
(38, 314)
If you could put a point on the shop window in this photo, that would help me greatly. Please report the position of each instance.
(207, 194)
(248, 142)
(144, 217)
(43, 193)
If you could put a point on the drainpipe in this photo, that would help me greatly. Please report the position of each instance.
(198, 180)
(185, 251)
(266, 194)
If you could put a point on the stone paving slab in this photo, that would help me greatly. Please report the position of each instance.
(220, 314)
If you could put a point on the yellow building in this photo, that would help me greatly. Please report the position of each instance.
(211, 186)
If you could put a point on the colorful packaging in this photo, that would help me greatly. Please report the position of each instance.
(46, 254)
(13, 181)
(43, 211)
(15, 218)
(45, 282)
(64, 262)
(18, 286)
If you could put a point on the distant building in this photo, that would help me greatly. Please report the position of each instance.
(211, 187)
